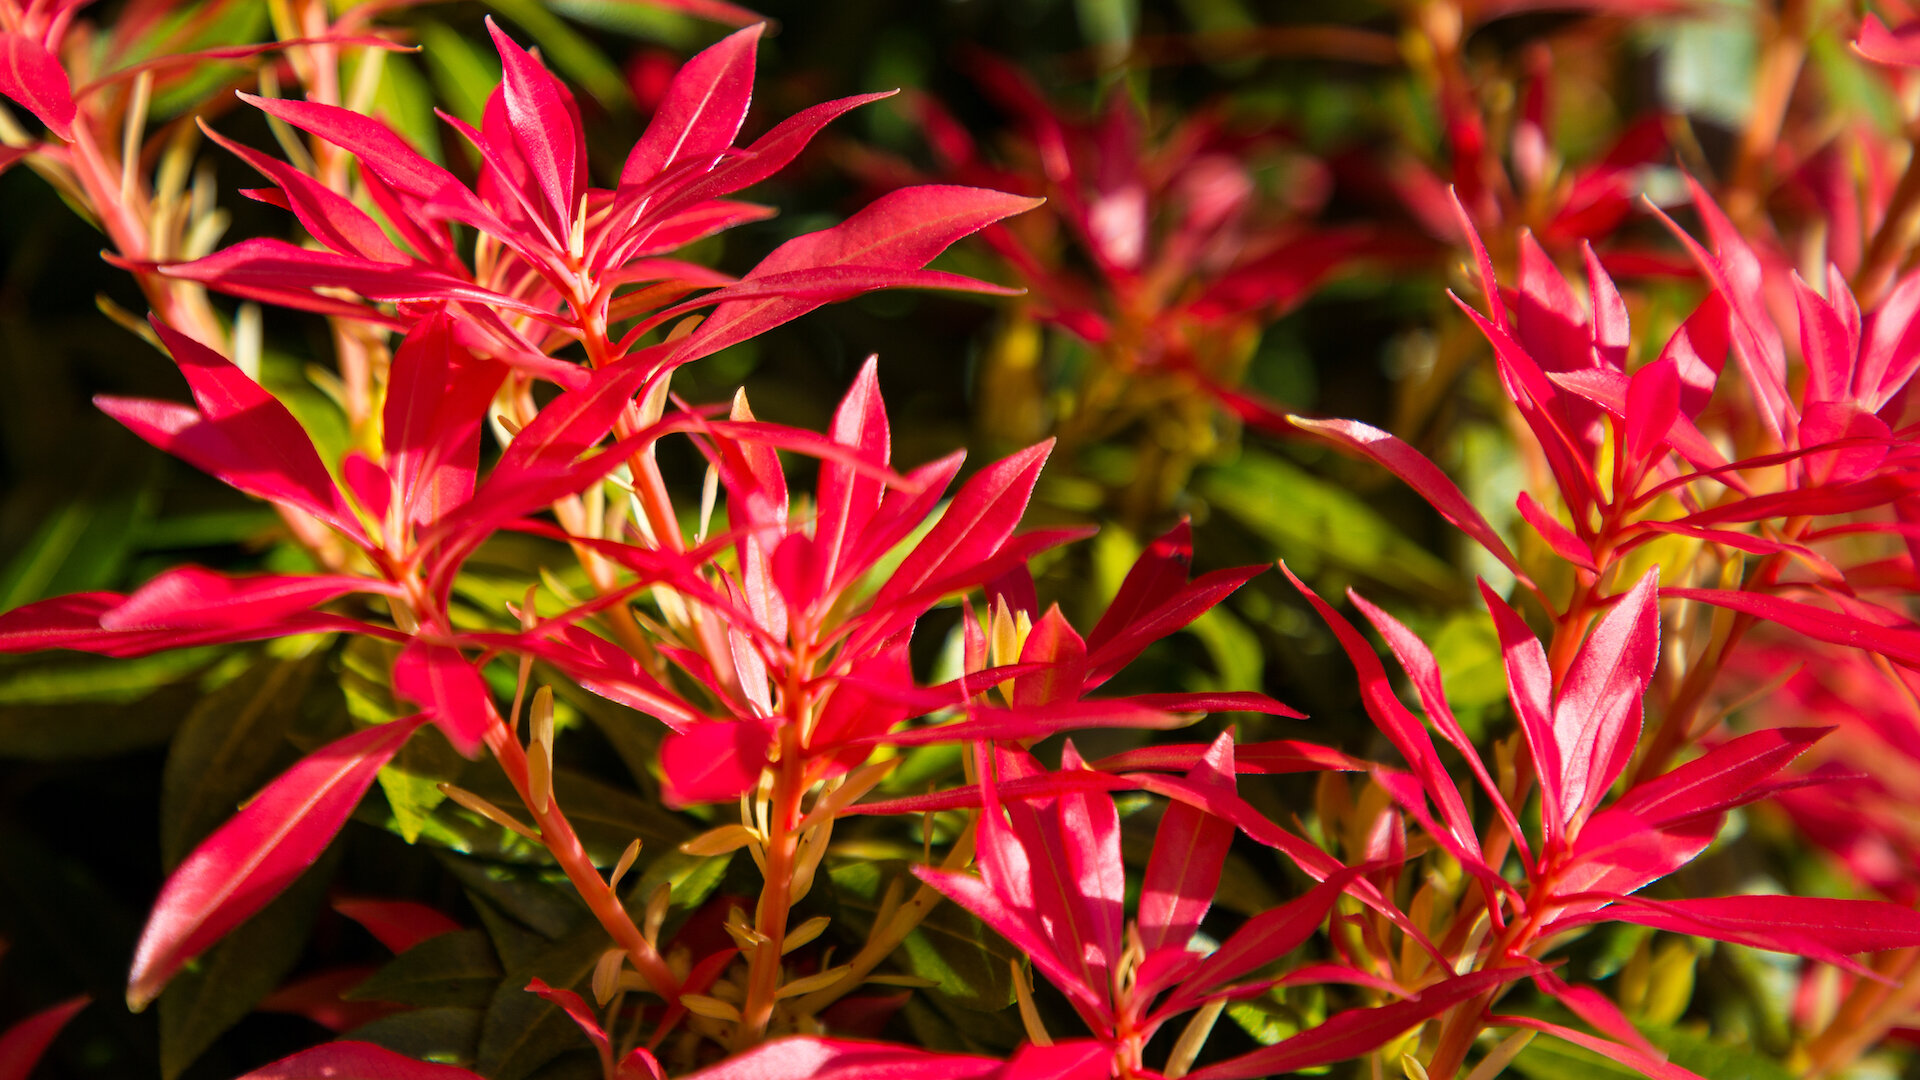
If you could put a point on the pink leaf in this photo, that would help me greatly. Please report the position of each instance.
(1596, 721)
(1631, 1056)
(327, 215)
(1724, 777)
(1155, 577)
(1263, 939)
(397, 924)
(1558, 537)
(448, 690)
(30, 75)
(258, 853)
(23, 1044)
(1417, 472)
(712, 762)
(1189, 849)
(1358, 1031)
(1897, 48)
(348, 1060)
(1899, 644)
(1261, 758)
(260, 426)
(1399, 725)
(195, 598)
(846, 499)
(1530, 687)
(546, 129)
(802, 1057)
(387, 156)
(902, 230)
(981, 516)
(702, 110)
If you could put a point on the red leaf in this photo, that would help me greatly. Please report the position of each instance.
(581, 1014)
(194, 598)
(1899, 48)
(1263, 939)
(23, 1044)
(347, 1060)
(1143, 628)
(1596, 721)
(1558, 537)
(1399, 725)
(1530, 687)
(712, 762)
(437, 398)
(902, 230)
(279, 270)
(327, 215)
(1698, 351)
(30, 75)
(73, 622)
(448, 690)
(803, 1057)
(701, 112)
(262, 448)
(1724, 777)
(986, 722)
(258, 853)
(1214, 701)
(1358, 1031)
(397, 924)
(1899, 644)
(1412, 467)
(1653, 406)
(1155, 577)
(1424, 672)
(769, 153)
(387, 156)
(546, 129)
(981, 516)
(1790, 924)
(848, 500)
(1261, 758)
(1630, 1056)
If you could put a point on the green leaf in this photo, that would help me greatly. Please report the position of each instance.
(455, 969)
(1313, 521)
(215, 991)
(233, 742)
(693, 878)
(638, 20)
(449, 1036)
(543, 902)
(523, 1031)
(463, 74)
(970, 963)
(406, 101)
(84, 542)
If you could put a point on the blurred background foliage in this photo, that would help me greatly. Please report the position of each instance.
(110, 770)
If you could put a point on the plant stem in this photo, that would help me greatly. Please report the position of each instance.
(558, 835)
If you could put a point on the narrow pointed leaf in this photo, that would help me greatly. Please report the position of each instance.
(701, 112)
(448, 690)
(23, 1044)
(250, 859)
